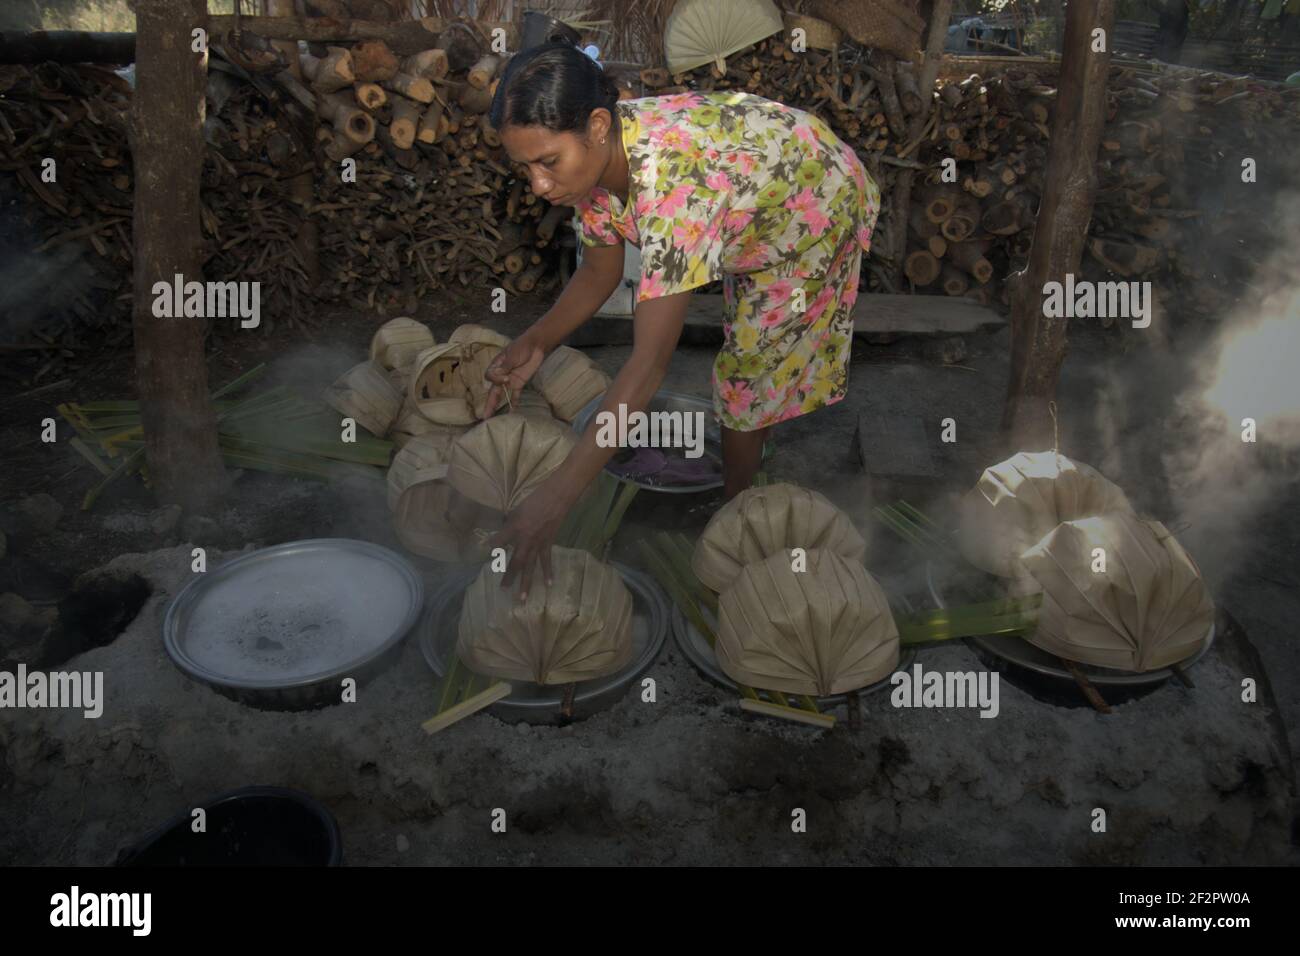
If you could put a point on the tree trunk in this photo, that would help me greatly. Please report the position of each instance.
(180, 431)
(1038, 342)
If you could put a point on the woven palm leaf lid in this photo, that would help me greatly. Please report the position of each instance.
(578, 627)
(1019, 500)
(823, 630)
(1118, 591)
(709, 31)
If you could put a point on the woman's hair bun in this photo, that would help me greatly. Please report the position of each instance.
(555, 85)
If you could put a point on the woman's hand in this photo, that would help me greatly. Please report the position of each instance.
(511, 369)
(532, 528)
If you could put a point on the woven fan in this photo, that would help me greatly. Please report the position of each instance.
(576, 628)
(1148, 609)
(569, 380)
(500, 461)
(708, 31)
(827, 630)
(1019, 500)
(768, 520)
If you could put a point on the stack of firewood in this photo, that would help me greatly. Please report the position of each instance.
(1169, 183)
(436, 199)
(76, 117)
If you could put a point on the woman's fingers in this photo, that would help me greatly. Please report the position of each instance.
(524, 565)
(492, 401)
(546, 565)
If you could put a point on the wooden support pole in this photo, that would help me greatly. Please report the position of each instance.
(1065, 209)
(180, 430)
(302, 187)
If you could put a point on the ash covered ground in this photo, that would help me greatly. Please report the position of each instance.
(1186, 776)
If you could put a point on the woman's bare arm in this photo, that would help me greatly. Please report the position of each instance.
(656, 328)
(587, 290)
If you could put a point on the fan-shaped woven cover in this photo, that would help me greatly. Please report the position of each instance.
(826, 630)
(1148, 609)
(433, 519)
(708, 31)
(500, 461)
(768, 519)
(577, 628)
(1019, 500)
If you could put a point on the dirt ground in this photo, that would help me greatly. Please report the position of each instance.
(1189, 776)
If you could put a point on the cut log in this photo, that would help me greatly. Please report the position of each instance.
(430, 64)
(921, 267)
(404, 156)
(1004, 218)
(427, 131)
(953, 280)
(331, 73)
(527, 280)
(346, 117)
(370, 96)
(374, 62)
(549, 222)
(473, 100)
(339, 145)
(482, 72)
(961, 224)
(406, 119)
(939, 200)
(970, 257)
(415, 87)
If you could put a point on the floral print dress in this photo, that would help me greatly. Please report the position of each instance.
(764, 197)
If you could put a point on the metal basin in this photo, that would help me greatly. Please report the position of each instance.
(665, 401)
(280, 628)
(1018, 652)
(252, 826)
(538, 703)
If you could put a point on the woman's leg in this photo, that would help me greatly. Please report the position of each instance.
(742, 454)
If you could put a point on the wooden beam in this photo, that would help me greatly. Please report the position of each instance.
(180, 431)
(1061, 228)
(66, 46)
(404, 37)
